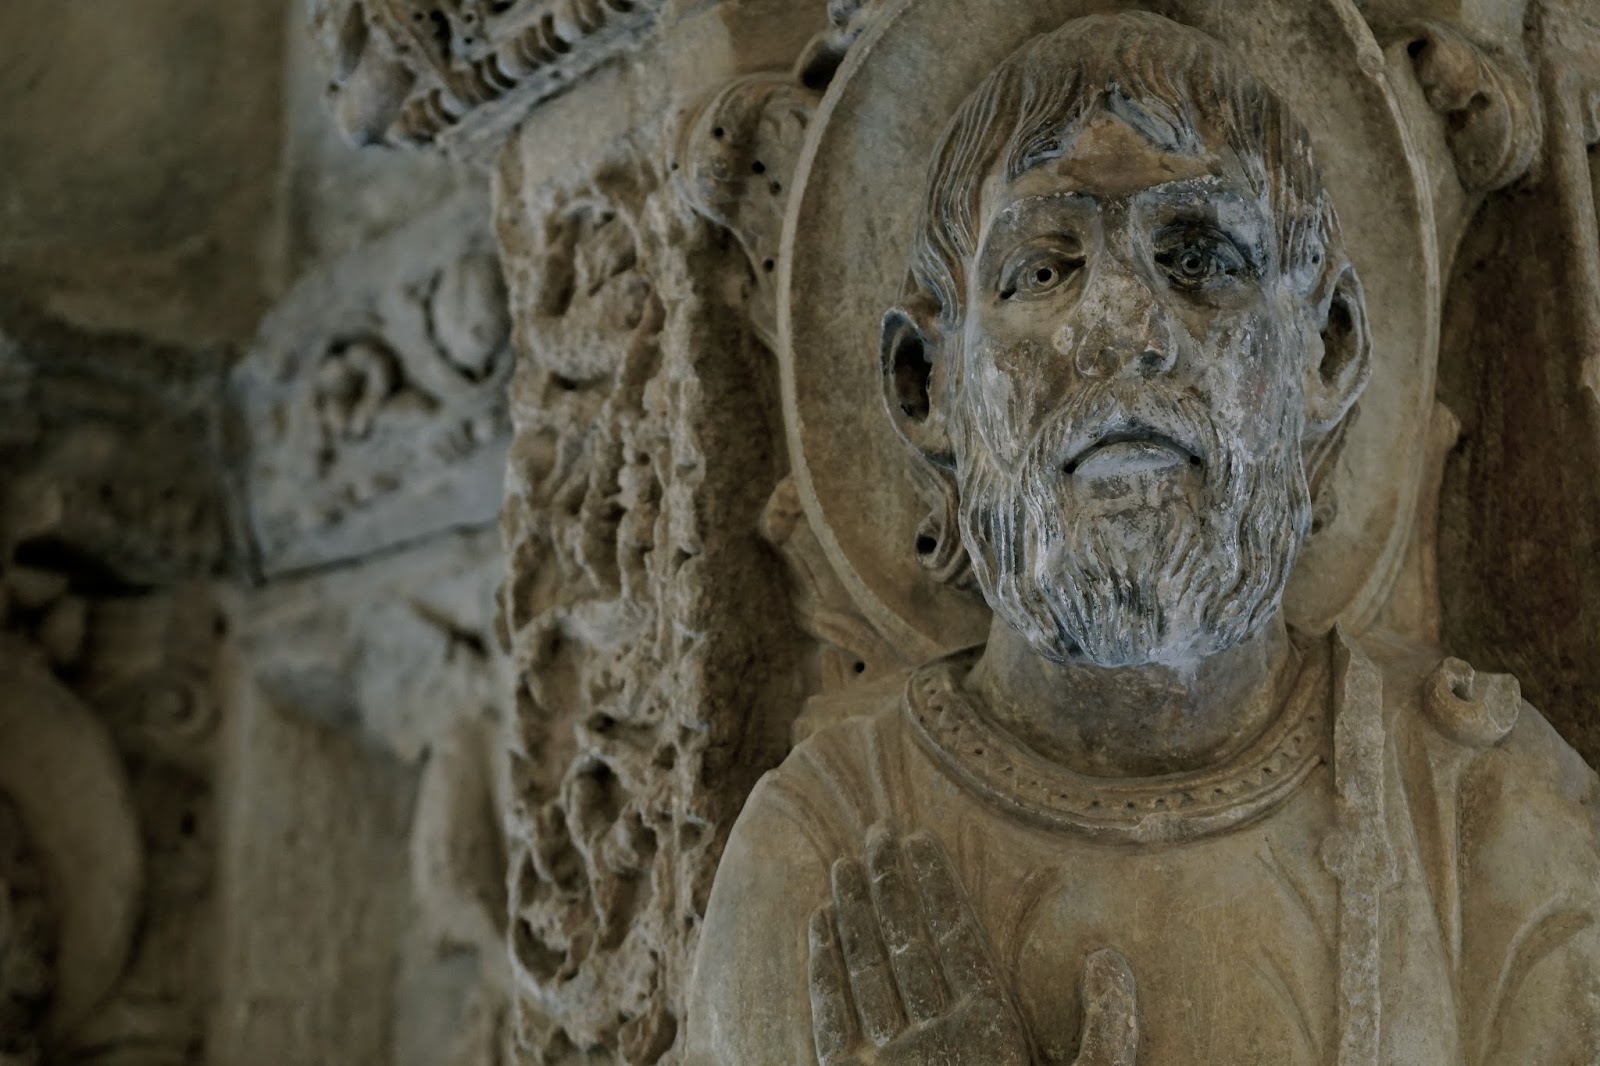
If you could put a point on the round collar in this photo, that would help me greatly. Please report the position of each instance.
(1172, 808)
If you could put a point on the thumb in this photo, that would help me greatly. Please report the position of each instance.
(1110, 1012)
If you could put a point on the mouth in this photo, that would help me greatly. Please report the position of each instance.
(1129, 451)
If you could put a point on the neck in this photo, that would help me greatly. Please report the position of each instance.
(1135, 721)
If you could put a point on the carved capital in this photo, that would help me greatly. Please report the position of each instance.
(413, 71)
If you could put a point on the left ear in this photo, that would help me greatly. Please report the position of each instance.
(1339, 352)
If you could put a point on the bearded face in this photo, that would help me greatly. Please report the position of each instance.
(1128, 418)
(1168, 576)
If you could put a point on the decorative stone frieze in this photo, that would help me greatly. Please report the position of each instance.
(373, 401)
(413, 71)
(640, 409)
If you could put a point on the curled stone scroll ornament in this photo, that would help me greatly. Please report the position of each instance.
(1487, 99)
(112, 521)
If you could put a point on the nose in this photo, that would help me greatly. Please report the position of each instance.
(1127, 335)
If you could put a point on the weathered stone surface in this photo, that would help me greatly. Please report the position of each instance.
(310, 949)
(640, 595)
(114, 516)
(634, 741)
(374, 399)
(374, 736)
(1142, 305)
(301, 760)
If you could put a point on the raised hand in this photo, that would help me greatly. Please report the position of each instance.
(901, 973)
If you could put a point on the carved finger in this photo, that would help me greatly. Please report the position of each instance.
(912, 955)
(1110, 1011)
(963, 950)
(833, 1018)
(871, 984)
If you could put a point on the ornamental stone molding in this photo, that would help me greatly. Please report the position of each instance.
(414, 72)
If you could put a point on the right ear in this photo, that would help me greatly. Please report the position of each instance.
(913, 370)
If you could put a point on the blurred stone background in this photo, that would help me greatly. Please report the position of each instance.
(224, 336)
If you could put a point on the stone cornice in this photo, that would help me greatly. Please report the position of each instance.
(419, 72)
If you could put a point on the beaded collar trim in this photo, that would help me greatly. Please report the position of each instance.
(1169, 809)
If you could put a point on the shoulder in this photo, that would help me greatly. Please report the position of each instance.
(1508, 755)
(1515, 814)
(1484, 742)
(836, 783)
(749, 1001)
(1507, 810)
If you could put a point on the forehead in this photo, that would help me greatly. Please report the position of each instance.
(1109, 161)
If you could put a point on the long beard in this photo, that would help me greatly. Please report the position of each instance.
(1174, 580)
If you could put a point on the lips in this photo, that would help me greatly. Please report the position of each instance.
(1129, 450)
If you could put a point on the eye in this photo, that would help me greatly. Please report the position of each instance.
(1198, 259)
(1038, 269)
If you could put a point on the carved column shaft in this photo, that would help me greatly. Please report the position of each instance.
(646, 617)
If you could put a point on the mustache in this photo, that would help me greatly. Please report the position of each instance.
(1119, 410)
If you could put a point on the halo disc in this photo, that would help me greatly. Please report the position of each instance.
(850, 228)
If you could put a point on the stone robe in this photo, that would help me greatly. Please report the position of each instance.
(1373, 831)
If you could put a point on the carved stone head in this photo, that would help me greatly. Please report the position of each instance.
(1130, 344)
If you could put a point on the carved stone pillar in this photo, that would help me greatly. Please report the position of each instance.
(645, 613)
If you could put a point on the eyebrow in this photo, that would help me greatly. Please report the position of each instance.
(1016, 213)
(1209, 186)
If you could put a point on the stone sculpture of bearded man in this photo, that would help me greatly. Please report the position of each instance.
(1146, 823)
